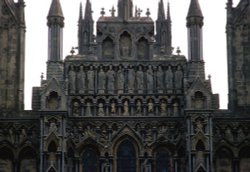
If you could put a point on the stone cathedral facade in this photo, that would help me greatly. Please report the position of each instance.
(124, 101)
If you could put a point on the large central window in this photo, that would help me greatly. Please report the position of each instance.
(126, 155)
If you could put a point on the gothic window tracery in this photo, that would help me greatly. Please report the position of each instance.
(126, 157)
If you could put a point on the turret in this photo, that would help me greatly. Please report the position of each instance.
(164, 31)
(85, 29)
(195, 40)
(125, 9)
(55, 23)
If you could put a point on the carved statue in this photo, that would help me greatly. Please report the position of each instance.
(138, 107)
(81, 80)
(125, 45)
(175, 108)
(131, 80)
(90, 79)
(126, 108)
(72, 81)
(169, 79)
(163, 107)
(199, 126)
(111, 80)
(88, 109)
(101, 81)
(150, 106)
(139, 79)
(100, 109)
(53, 127)
(106, 166)
(160, 80)
(150, 80)
(76, 109)
(120, 80)
(146, 166)
(52, 159)
(113, 107)
(178, 78)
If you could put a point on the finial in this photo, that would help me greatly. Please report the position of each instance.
(102, 12)
(178, 51)
(209, 77)
(148, 12)
(42, 77)
(72, 52)
(139, 11)
(80, 12)
(112, 11)
(136, 11)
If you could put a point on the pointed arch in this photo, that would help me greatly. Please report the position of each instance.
(162, 159)
(90, 160)
(142, 48)
(28, 159)
(125, 44)
(126, 156)
(108, 47)
(6, 159)
(244, 156)
(223, 159)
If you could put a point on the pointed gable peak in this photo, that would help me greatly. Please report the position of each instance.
(55, 9)
(195, 9)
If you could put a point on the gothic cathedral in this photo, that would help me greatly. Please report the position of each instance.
(124, 102)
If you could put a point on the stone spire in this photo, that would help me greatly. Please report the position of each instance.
(168, 13)
(88, 11)
(125, 9)
(161, 11)
(55, 18)
(194, 25)
(85, 29)
(195, 41)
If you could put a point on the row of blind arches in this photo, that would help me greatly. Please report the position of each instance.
(126, 159)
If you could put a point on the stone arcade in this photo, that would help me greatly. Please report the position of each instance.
(125, 102)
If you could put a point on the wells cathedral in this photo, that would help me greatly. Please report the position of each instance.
(123, 101)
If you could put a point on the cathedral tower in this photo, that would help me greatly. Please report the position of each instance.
(12, 52)
(238, 50)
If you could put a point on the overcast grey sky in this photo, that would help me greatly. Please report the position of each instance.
(214, 35)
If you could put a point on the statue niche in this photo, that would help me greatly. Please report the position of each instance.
(108, 48)
(125, 45)
(142, 49)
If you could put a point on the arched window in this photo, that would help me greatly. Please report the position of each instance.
(126, 155)
(223, 160)
(245, 159)
(162, 161)
(90, 160)
(27, 159)
(6, 159)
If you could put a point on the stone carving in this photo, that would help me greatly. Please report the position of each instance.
(150, 80)
(120, 80)
(6, 165)
(76, 109)
(146, 166)
(113, 107)
(142, 49)
(101, 109)
(88, 109)
(131, 80)
(81, 80)
(125, 45)
(176, 108)
(163, 107)
(178, 78)
(101, 81)
(199, 126)
(140, 79)
(138, 107)
(150, 106)
(90, 79)
(28, 165)
(72, 80)
(106, 166)
(160, 80)
(52, 159)
(169, 79)
(126, 108)
(53, 127)
(111, 80)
